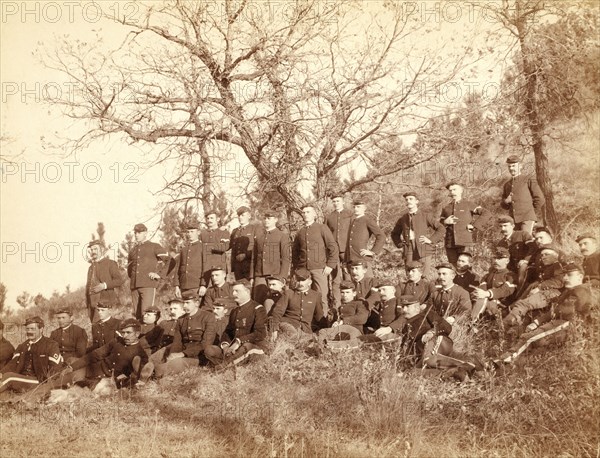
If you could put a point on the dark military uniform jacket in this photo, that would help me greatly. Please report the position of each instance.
(242, 248)
(501, 283)
(466, 279)
(450, 302)
(353, 313)
(194, 333)
(467, 213)
(214, 251)
(387, 313)
(366, 291)
(142, 260)
(247, 323)
(417, 326)
(104, 332)
(421, 223)
(112, 359)
(527, 198)
(72, 341)
(421, 290)
(271, 253)
(106, 271)
(550, 277)
(571, 302)
(151, 337)
(218, 292)
(45, 356)
(520, 245)
(361, 230)
(339, 225)
(300, 309)
(189, 266)
(220, 326)
(168, 334)
(6, 352)
(591, 268)
(314, 248)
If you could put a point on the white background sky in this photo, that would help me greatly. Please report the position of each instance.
(41, 219)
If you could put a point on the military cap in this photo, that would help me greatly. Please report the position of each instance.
(359, 202)
(410, 265)
(94, 243)
(211, 212)
(408, 299)
(271, 214)
(501, 252)
(410, 193)
(191, 225)
(103, 305)
(244, 282)
(453, 183)
(276, 277)
(541, 229)
(385, 282)
(335, 194)
(140, 228)
(64, 310)
(302, 274)
(505, 219)
(35, 319)
(587, 235)
(357, 263)
(466, 253)
(213, 268)
(152, 310)
(572, 267)
(445, 265)
(242, 209)
(513, 159)
(175, 299)
(189, 295)
(220, 302)
(130, 323)
(551, 247)
(347, 285)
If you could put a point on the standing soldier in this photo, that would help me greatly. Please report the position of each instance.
(102, 278)
(315, 249)
(242, 245)
(71, 339)
(461, 217)
(361, 229)
(215, 243)
(271, 256)
(338, 223)
(522, 196)
(418, 232)
(142, 268)
(189, 263)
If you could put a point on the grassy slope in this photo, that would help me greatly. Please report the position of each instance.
(351, 403)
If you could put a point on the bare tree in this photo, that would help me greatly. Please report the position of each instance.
(302, 94)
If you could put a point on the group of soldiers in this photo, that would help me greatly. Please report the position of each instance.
(317, 286)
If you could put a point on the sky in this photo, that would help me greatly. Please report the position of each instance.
(50, 203)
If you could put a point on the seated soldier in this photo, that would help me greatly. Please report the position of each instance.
(365, 286)
(6, 348)
(246, 331)
(549, 327)
(119, 359)
(168, 326)
(151, 332)
(221, 312)
(72, 340)
(34, 361)
(195, 331)
(220, 288)
(465, 278)
(350, 317)
(496, 288)
(386, 318)
(533, 262)
(298, 310)
(276, 287)
(449, 300)
(417, 285)
(518, 243)
(538, 293)
(588, 246)
(105, 329)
